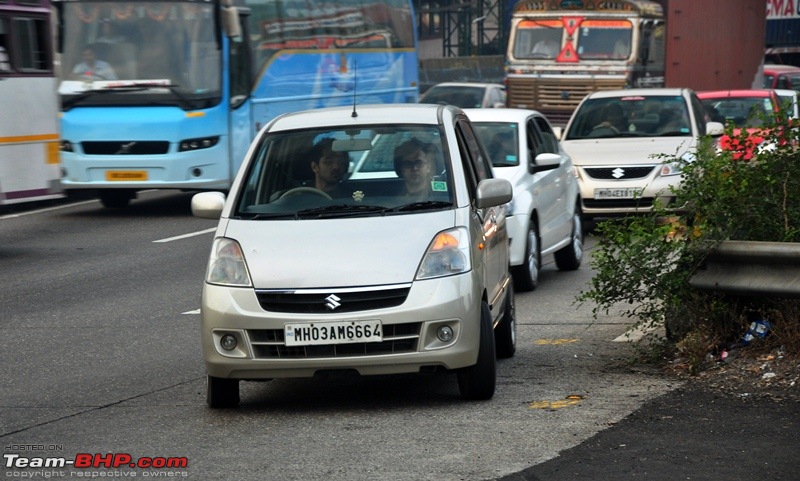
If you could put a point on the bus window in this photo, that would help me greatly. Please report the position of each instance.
(538, 39)
(605, 39)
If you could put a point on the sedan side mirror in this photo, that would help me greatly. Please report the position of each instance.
(715, 129)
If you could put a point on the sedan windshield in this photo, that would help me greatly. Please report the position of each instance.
(334, 173)
(742, 112)
(501, 140)
(634, 116)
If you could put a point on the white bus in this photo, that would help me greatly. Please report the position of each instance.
(29, 124)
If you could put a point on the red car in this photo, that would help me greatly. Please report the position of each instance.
(745, 109)
(781, 77)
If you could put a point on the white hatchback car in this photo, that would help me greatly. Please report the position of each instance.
(628, 146)
(545, 216)
(406, 272)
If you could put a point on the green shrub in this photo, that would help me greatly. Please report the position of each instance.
(644, 263)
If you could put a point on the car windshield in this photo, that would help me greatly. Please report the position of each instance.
(464, 97)
(633, 116)
(742, 112)
(501, 140)
(347, 172)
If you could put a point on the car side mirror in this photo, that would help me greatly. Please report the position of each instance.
(558, 132)
(544, 161)
(714, 129)
(492, 192)
(208, 205)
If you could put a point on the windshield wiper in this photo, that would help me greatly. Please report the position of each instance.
(67, 104)
(128, 87)
(423, 205)
(265, 216)
(340, 210)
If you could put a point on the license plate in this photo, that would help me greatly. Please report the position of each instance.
(627, 193)
(336, 332)
(123, 175)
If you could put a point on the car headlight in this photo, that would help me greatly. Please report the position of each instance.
(227, 266)
(675, 168)
(448, 254)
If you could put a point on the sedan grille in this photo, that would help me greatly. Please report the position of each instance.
(638, 203)
(397, 338)
(318, 301)
(619, 173)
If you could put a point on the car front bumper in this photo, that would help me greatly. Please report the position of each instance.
(409, 344)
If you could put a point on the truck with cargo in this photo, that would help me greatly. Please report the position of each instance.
(561, 50)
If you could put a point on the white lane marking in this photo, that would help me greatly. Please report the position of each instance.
(196, 311)
(184, 236)
(46, 209)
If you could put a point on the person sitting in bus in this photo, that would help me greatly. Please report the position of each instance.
(93, 69)
(412, 163)
(622, 48)
(329, 168)
(545, 48)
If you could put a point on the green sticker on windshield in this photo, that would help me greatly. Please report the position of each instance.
(439, 186)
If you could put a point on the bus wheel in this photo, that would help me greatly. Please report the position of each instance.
(115, 199)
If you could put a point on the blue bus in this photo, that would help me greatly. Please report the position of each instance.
(168, 94)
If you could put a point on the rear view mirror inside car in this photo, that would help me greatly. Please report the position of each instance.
(349, 145)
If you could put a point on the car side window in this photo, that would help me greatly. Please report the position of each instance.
(536, 143)
(699, 114)
(548, 137)
(477, 157)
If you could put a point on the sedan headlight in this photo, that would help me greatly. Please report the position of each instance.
(447, 255)
(675, 168)
(227, 266)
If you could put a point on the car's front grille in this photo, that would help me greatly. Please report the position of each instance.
(619, 173)
(320, 301)
(397, 338)
(639, 202)
(125, 147)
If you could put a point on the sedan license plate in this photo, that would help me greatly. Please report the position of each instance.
(626, 193)
(337, 332)
(123, 175)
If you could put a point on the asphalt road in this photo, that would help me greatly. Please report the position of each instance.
(100, 348)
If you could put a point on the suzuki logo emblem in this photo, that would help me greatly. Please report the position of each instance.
(618, 172)
(333, 302)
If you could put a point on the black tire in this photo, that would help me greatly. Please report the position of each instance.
(115, 199)
(569, 258)
(526, 275)
(505, 335)
(477, 382)
(222, 393)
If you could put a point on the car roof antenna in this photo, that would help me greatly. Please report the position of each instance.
(355, 82)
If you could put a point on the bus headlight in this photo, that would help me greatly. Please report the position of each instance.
(197, 144)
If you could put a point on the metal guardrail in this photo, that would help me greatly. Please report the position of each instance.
(752, 268)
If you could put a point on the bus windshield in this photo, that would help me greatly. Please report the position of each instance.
(142, 52)
(604, 39)
(538, 39)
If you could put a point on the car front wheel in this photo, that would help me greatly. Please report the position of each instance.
(477, 382)
(526, 275)
(506, 333)
(569, 258)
